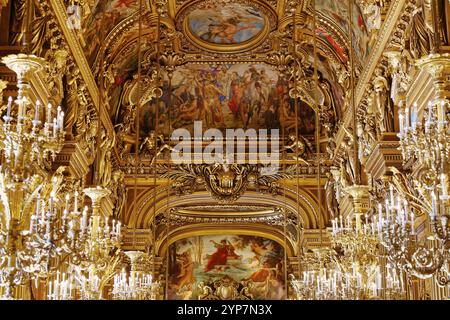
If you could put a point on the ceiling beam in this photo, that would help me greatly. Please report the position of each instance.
(77, 52)
(389, 26)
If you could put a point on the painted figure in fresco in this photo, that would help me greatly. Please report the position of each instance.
(188, 111)
(330, 40)
(235, 94)
(268, 278)
(120, 4)
(212, 96)
(205, 111)
(224, 250)
(225, 31)
(186, 266)
(232, 26)
(228, 24)
(214, 31)
(287, 118)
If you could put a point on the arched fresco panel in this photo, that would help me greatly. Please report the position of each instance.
(226, 96)
(254, 265)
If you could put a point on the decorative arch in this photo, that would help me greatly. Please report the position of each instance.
(142, 212)
(202, 230)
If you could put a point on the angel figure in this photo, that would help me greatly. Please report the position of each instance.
(348, 146)
(330, 148)
(346, 175)
(330, 192)
(300, 147)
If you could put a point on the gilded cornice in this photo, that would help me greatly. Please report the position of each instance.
(141, 211)
(384, 38)
(314, 238)
(421, 90)
(60, 13)
(387, 30)
(211, 229)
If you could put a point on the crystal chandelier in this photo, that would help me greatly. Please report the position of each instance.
(426, 138)
(79, 284)
(27, 146)
(94, 252)
(334, 284)
(62, 288)
(139, 284)
(42, 228)
(75, 285)
(405, 250)
(353, 268)
(94, 237)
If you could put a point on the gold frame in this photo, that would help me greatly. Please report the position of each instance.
(229, 48)
(213, 230)
(183, 13)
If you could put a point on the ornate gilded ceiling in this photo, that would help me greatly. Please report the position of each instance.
(229, 63)
(209, 38)
(226, 26)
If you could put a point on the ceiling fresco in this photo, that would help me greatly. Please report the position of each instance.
(225, 75)
(232, 24)
(225, 96)
(228, 263)
(337, 12)
(105, 15)
(225, 26)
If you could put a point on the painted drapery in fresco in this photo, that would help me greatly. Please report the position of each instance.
(255, 263)
(226, 97)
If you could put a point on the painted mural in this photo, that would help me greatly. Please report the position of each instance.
(337, 11)
(120, 74)
(328, 38)
(329, 72)
(226, 96)
(234, 23)
(106, 14)
(255, 263)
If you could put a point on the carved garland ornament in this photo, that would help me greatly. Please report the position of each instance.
(226, 183)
